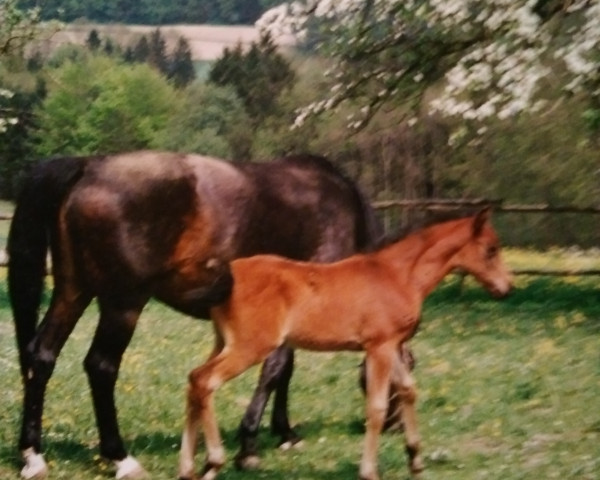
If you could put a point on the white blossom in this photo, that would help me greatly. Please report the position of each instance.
(498, 76)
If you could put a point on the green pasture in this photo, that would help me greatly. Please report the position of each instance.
(508, 390)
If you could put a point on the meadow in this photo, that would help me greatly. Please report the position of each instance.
(508, 389)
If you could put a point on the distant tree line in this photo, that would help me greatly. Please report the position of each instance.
(153, 12)
(103, 97)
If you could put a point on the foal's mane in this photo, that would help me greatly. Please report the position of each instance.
(433, 218)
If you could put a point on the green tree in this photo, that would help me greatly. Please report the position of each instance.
(16, 149)
(141, 50)
(93, 40)
(258, 76)
(181, 67)
(100, 105)
(210, 120)
(157, 52)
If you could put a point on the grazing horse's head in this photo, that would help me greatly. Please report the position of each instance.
(480, 256)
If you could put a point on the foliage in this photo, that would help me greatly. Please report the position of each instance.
(16, 149)
(488, 59)
(258, 75)
(153, 12)
(210, 120)
(17, 26)
(99, 105)
(505, 389)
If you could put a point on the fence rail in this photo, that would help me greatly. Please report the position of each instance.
(440, 204)
(498, 205)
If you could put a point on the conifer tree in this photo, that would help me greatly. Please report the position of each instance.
(258, 75)
(181, 68)
(157, 52)
(93, 41)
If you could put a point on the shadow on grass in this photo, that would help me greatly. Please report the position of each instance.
(537, 299)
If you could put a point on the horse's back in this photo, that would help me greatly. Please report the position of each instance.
(139, 215)
(317, 212)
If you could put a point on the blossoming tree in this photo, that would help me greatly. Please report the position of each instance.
(485, 58)
(17, 28)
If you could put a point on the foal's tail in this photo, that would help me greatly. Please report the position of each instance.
(34, 223)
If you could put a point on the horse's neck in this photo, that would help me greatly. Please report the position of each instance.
(423, 259)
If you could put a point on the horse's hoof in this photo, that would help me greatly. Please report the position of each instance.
(297, 443)
(130, 469)
(248, 462)
(35, 466)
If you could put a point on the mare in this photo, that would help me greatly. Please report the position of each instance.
(377, 298)
(129, 227)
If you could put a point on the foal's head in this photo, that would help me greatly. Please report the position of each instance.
(480, 256)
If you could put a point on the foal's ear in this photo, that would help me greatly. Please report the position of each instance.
(480, 220)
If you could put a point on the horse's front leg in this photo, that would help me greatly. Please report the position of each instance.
(379, 362)
(408, 393)
(115, 329)
(275, 375)
(58, 323)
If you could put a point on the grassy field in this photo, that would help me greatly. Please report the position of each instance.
(508, 390)
(206, 41)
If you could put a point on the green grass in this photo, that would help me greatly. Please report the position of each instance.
(508, 390)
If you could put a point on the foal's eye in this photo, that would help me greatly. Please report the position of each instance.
(491, 251)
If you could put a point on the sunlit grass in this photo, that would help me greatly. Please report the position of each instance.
(508, 389)
(553, 259)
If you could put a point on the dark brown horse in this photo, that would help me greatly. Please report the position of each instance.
(130, 227)
(377, 298)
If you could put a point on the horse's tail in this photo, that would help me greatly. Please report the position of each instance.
(33, 223)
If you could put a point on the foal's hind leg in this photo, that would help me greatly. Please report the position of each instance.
(118, 318)
(275, 375)
(203, 383)
(61, 317)
(408, 392)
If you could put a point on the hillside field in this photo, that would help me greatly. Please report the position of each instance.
(206, 41)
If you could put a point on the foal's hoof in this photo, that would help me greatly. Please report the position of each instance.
(416, 466)
(247, 462)
(210, 470)
(35, 466)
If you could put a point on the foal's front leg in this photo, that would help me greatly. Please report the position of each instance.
(378, 369)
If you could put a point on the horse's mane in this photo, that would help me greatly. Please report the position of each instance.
(370, 230)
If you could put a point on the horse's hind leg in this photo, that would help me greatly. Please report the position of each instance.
(275, 375)
(118, 318)
(58, 323)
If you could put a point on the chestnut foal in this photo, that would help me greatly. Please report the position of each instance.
(376, 299)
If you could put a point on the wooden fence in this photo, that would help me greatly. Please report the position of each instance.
(453, 205)
(447, 205)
